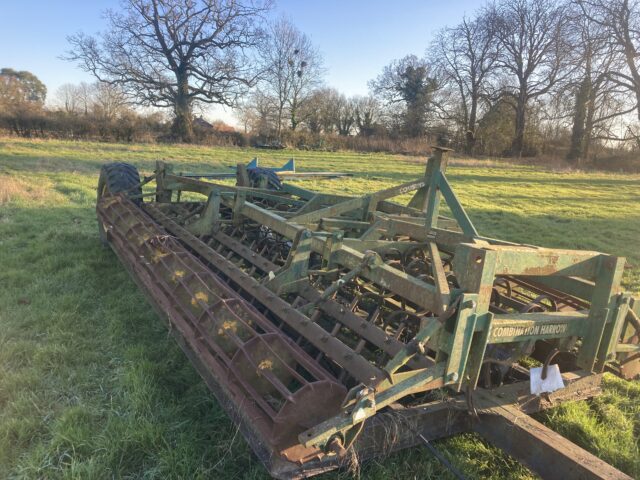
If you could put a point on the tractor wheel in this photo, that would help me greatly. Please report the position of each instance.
(115, 178)
(264, 178)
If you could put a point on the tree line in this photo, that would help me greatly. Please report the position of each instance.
(515, 75)
(83, 111)
(512, 79)
(552, 65)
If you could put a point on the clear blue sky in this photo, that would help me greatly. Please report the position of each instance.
(356, 37)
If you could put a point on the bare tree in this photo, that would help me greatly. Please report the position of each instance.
(367, 110)
(340, 112)
(319, 110)
(327, 111)
(620, 21)
(292, 70)
(247, 116)
(174, 53)
(85, 93)
(466, 55)
(346, 115)
(257, 113)
(409, 83)
(534, 53)
(598, 98)
(77, 99)
(67, 98)
(109, 101)
(101, 99)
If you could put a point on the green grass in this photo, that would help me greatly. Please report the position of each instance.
(91, 385)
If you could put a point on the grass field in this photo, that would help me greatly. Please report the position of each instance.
(91, 385)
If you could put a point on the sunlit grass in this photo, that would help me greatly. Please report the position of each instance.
(91, 385)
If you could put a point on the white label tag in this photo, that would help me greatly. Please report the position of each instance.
(550, 384)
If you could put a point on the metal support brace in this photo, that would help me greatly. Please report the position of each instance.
(540, 448)
(296, 267)
(331, 245)
(437, 164)
(238, 203)
(163, 194)
(209, 221)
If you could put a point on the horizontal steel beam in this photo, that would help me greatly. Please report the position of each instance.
(546, 452)
(523, 327)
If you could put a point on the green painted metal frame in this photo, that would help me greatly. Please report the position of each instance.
(464, 326)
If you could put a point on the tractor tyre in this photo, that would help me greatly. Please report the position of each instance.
(115, 178)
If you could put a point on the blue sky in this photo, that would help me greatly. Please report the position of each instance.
(356, 37)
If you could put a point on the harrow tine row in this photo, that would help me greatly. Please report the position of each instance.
(358, 367)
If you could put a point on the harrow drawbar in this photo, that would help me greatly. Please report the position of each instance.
(330, 326)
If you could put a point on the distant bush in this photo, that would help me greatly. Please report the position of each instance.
(617, 161)
(305, 140)
(127, 127)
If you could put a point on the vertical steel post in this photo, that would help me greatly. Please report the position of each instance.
(435, 166)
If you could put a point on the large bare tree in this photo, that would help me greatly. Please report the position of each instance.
(620, 20)
(175, 53)
(466, 55)
(292, 69)
(534, 54)
(599, 98)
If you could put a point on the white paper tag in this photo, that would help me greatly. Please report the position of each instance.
(550, 384)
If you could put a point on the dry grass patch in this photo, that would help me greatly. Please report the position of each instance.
(14, 188)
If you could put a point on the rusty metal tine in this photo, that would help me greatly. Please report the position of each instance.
(240, 343)
(273, 379)
(308, 366)
(364, 370)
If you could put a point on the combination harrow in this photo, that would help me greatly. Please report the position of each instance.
(330, 326)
